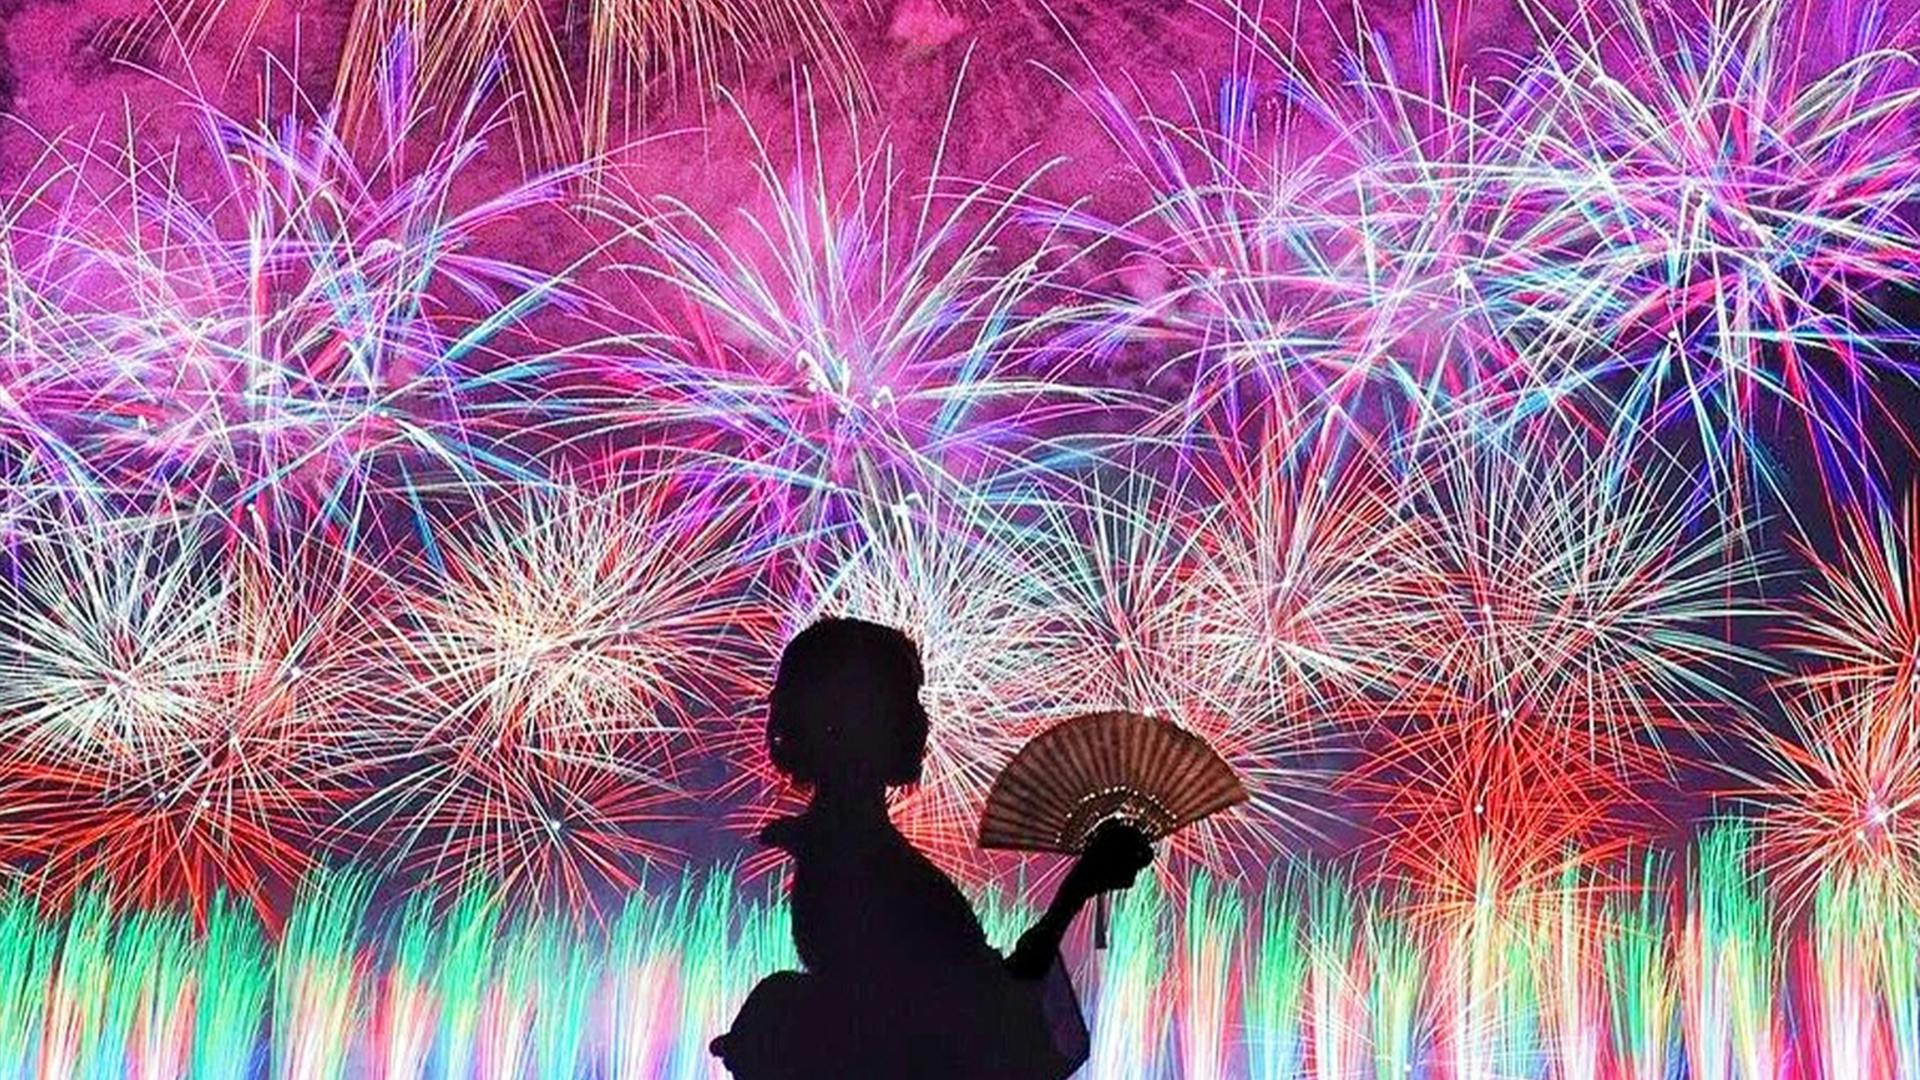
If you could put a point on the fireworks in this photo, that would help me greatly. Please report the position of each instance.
(1860, 626)
(564, 651)
(274, 316)
(1840, 795)
(1321, 976)
(1567, 629)
(851, 329)
(397, 540)
(166, 737)
(1743, 177)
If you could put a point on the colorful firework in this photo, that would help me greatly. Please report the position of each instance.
(562, 652)
(1743, 175)
(1395, 394)
(1858, 627)
(275, 317)
(1838, 795)
(579, 83)
(851, 329)
(1574, 625)
(1331, 236)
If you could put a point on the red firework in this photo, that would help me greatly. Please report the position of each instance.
(238, 791)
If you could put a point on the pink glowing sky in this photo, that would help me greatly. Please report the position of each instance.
(1024, 65)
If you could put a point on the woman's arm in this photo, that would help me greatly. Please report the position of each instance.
(1114, 856)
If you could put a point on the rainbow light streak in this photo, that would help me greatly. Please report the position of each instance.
(1330, 981)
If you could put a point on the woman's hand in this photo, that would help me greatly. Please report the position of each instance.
(1113, 858)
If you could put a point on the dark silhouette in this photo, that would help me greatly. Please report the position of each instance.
(900, 980)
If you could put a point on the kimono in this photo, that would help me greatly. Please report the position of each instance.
(900, 980)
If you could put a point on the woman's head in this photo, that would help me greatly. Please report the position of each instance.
(846, 706)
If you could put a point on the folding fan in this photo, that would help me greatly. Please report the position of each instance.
(1101, 767)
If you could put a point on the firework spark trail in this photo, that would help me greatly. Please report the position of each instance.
(1900, 986)
(561, 109)
(1745, 190)
(1486, 990)
(317, 989)
(463, 972)
(1578, 996)
(404, 1012)
(291, 319)
(1299, 602)
(562, 653)
(849, 331)
(562, 112)
(1393, 1007)
(1130, 1021)
(1839, 960)
(1581, 587)
(1210, 279)
(28, 946)
(1639, 969)
(1836, 797)
(76, 1041)
(112, 631)
(157, 1009)
(1858, 626)
(1212, 922)
(1337, 995)
(1274, 987)
(233, 992)
(1710, 937)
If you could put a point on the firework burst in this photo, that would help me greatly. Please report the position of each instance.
(1576, 586)
(1572, 629)
(560, 658)
(1746, 181)
(178, 712)
(272, 316)
(847, 331)
(1839, 800)
(1858, 627)
(1251, 599)
(578, 82)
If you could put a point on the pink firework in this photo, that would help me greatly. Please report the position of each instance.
(276, 316)
(1859, 625)
(851, 328)
(1573, 631)
(1839, 796)
(1746, 178)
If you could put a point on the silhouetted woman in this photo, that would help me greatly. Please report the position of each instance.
(899, 980)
